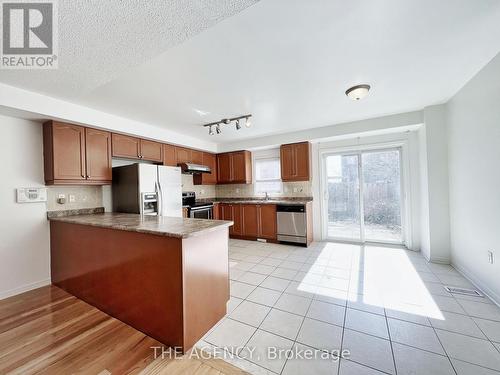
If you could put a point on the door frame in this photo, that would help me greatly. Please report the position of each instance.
(406, 224)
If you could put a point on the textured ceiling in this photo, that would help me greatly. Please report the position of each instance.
(288, 62)
(100, 39)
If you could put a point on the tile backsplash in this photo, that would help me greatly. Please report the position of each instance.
(202, 191)
(98, 196)
(84, 197)
(290, 189)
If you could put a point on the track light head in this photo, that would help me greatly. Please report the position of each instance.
(248, 123)
(238, 126)
(217, 129)
(210, 130)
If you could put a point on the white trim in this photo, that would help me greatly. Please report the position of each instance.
(24, 288)
(478, 284)
(406, 192)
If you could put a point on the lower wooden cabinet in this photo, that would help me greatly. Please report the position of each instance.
(232, 212)
(250, 220)
(268, 221)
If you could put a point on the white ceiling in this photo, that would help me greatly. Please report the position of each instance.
(288, 62)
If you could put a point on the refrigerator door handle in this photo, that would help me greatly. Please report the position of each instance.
(159, 198)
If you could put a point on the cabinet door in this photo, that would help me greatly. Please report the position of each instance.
(226, 211)
(224, 174)
(267, 221)
(216, 212)
(98, 155)
(151, 150)
(237, 218)
(183, 155)
(301, 161)
(196, 157)
(207, 178)
(250, 222)
(241, 167)
(68, 151)
(124, 146)
(287, 162)
(169, 155)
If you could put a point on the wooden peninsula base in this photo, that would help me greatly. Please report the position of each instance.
(172, 289)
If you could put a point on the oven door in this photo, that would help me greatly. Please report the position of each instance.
(201, 212)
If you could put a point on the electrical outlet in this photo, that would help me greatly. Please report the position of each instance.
(490, 257)
(71, 198)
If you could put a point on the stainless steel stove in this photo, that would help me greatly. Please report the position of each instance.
(197, 210)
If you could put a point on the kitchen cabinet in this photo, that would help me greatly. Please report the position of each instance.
(295, 161)
(259, 221)
(169, 157)
(250, 220)
(76, 155)
(232, 212)
(182, 155)
(268, 221)
(196, 157)
(234, 167)
(125, 146)
(216, 211)
(98, 155)
(151, 150)
(210, 160)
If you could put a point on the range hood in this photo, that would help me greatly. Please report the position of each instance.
(190, 168)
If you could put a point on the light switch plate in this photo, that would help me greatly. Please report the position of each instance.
(31, 195)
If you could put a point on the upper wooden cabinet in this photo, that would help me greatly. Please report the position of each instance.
(196, 157)
(125, 146)
(169, 157)
(183, 155)
(210, 160)
(234, 167)
(76, 155)
(98, 155)
(151, 150)
(295, 161)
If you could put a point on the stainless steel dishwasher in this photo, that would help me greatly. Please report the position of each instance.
(292, 223)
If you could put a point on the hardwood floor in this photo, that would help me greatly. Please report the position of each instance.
(48, 331)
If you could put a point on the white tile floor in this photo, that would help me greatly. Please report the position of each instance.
(386, 306)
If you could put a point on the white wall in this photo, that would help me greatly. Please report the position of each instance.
(474, 178)
(435, 218)
(24, 229)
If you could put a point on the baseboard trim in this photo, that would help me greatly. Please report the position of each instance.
(440, 260)
(24, 288)
(478, 284)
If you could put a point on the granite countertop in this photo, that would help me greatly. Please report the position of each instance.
(160, 225)
(276, 200)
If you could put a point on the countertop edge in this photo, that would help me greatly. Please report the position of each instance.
(222, 224)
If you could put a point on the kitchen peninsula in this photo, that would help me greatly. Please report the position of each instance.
(165, 276)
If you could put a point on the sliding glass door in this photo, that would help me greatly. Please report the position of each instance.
(362, 196)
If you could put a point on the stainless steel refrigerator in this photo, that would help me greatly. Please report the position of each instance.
(147, 189)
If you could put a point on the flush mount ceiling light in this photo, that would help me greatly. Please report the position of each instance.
(358, 92)
(228, 121)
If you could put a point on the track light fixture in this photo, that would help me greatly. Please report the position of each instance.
(228, 121)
